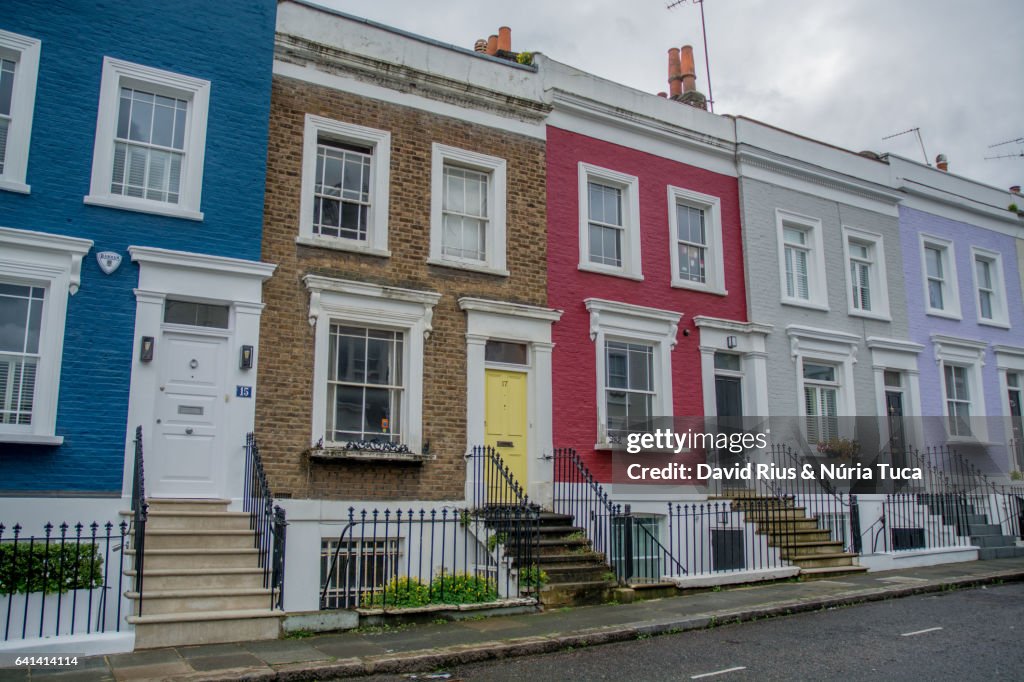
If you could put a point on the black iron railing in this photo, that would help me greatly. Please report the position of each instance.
(494, 484)
(267, 522)
(720, 537)
(387, 558)
(67, 581)
(140, 514)
(916, 521)
(577, 493)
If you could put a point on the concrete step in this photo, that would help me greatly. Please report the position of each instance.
(207, 627)
(824, 560)
(156, 602)
(798, 549)
(789, 537)
(575, 594)
(547, 558)
(1009, 552)
(199, 578)
(979, 529)
(159, 504)
(576, 573)
(198, 558)
(553, 519)
(830, 572)
(198, 539)
(992, 541)
(787, 525)
(197, 520)
(781, 514)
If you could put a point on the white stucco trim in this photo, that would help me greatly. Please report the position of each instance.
(827, 347)
(24, 51)
(817, 284)
(970, 354)
(879, 283)
(54, 263)
(714, 262)
(371, 305)
(629, 185)
(488, 320)
(901, 356)
(750, 346)
(616, 321)
(204, 278)
(951, 289)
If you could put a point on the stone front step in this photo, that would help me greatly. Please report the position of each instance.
(1008, 552)
(786, 525)
(180, 538)
(575, 594)
(205, 627)
(186, 578)
(156, 602)
(185, 505)
(797, 549)
(199, 558)
(824, 560)
(576, 573)
(161, 519)
(794, 537)
(829, 573)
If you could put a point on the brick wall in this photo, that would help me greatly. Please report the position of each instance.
(284, 402)
(574, 357)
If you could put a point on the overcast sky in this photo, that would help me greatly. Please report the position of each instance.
(847, 73)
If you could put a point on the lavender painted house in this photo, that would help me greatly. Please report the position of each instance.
(964, 305)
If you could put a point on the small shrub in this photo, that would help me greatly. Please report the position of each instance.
(525, 58)
(463, 588)
(495, 540)
(1016, 475)
(1012, 207)
(50, 569)
(533, 576)
(402, 593)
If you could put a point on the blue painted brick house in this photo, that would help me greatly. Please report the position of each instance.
(137, 129)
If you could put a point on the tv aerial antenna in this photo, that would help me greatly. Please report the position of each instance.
(703, 29)
(920, 140)
(1016, 140)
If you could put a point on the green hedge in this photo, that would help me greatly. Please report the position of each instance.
(49, 569)
(459, 588)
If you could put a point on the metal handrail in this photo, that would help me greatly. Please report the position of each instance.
(140, 515)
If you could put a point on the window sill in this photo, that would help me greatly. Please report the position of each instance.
(881, 317)
(614, 272)
(994, 323)
(338, 244)
(703, 288)
(457, 265)
(12, 186)
(31, 439)
(796, 303)
(342, 454)
(942, 313)
(143, 206)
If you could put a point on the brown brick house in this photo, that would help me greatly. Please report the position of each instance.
(405, 208)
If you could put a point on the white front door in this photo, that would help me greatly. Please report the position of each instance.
(187, 458)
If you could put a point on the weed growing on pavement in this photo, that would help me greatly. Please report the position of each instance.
(300, 634)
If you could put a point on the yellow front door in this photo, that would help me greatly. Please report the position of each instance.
(505, 424)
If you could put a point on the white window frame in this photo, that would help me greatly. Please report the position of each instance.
(379, 307)
(817, 289)
(970, 355)
(819, 386)
(630, 187)
(950, 289)
(1000, 316)
(196, 91)
(25, 51)
(714, 260)
(877, 273)
(495, 242)
(615, 321)
(55, 263)
(826, 347)
(376, 242)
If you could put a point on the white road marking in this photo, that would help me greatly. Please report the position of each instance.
(919, 632)
(718, 672)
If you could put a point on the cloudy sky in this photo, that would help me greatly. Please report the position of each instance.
(847, 73)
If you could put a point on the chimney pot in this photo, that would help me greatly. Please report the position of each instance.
(504, 39)
(662, 94)
(1015, 189)
(480, 45)
(941, 162)
(689, 72)
(492, 45)
(675, 75)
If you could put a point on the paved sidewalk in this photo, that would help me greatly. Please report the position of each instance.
(428, 647)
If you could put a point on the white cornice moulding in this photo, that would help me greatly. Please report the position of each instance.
(510, 309)
(58, 245)
(896, 345)
(724, 325)
(201, 261)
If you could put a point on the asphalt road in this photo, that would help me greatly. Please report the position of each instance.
(975, 634)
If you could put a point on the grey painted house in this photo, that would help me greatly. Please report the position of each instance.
(825, 271)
